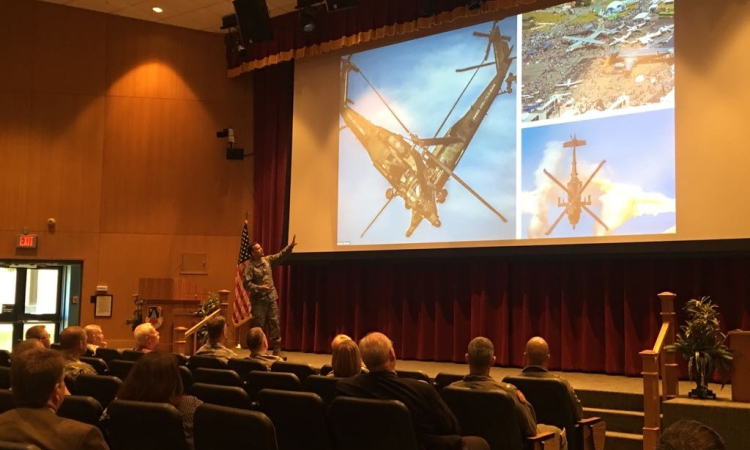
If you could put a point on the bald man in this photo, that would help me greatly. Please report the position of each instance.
(537, 363)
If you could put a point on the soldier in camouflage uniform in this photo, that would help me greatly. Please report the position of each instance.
(73, 346)
(258, 346)
(263, 296)
(216, 328)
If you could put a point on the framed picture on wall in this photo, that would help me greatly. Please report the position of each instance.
(103, 307)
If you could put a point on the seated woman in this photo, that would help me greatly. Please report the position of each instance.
(155, 378)
(346, 360)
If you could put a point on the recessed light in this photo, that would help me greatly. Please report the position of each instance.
(156, 9)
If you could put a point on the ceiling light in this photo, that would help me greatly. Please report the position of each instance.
(158, 10)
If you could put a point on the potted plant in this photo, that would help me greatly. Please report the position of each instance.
(701, 343)
(210, 305)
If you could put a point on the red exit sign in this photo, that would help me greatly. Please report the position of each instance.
(26, 241)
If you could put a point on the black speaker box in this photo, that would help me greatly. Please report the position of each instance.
(253, 20)
(338, 5)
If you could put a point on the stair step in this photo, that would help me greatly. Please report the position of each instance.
(623, 441)
(618, 420)
(611, 400)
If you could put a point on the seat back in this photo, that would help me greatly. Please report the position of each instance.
(132, 355)
(97, 363)
(6, 401)
(224, 377)
(4, 445)
(414, 375)
(231, 396)
(120, 368)
(108, 354)
(221, 428)
(244, 366)
(487, 414)
(325, 369)
(299, 419)
(4, 358)
(4, 377)
(551, 401)
(359, 424)
(187, 377)
(181, 359)
(301, 370)
(102, 388)
(256, 381)
(208, 362)
(325, 387)
(81, 408)
(145, 426)
(442, 380)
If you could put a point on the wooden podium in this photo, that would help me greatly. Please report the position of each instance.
(739, 343)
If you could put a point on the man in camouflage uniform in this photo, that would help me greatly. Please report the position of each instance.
(73, 346)
(263, 296)
(216, 328)
(258, 346)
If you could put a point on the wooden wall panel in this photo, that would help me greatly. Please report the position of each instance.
(16, 45)
(15, 119)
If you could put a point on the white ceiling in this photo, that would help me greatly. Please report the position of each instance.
(202, 15)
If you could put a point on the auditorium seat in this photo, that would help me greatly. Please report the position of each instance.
(108, 354)
(301, 370)
(70, 383)
(325, 369)
(445, 379)
(244, 366)
(16, 446)
(181, 359)
(132, 355)
(97, 363)
(325, 387)
(81, 408)
(4, 377)
(224, 377)
(231, 396)
(299, 419)
(102, 388)
(367, 424)
(414, 375)
(187, 377)
(221, 428)
(492, 416)
(271, 380)
(145, 426)
(4, 358)
(120, 368)
(553, 406)
(6, 400)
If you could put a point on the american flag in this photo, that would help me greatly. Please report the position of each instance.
(241, 297)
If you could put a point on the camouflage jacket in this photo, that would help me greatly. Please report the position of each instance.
(75, 367)
(217, 350)
(267, 360)
(258, 273)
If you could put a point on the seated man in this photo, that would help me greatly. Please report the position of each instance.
(217, 328)
(94, 338)
(258, 346)
(537, 361)
(434, 424)
(39, 332)
(38, 390)
(73, 346)
(481, 358)
(690, 435)
(146, 338)
(26, 345)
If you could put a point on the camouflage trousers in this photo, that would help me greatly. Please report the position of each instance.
(267, 311)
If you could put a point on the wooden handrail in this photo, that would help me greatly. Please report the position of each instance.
(198, 325)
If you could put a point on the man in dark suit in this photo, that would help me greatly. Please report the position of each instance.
(38, 390)
(434, 424)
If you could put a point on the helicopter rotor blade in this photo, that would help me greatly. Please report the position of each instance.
(591, 213)
(556, 222)
(593, 174)
(466, 69)
(562, 186)
(393, 113)
(376, 216)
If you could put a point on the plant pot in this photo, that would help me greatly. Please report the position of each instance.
(701, 391)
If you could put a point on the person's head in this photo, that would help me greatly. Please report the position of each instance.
(39, 332)
(146, 337)
(480, 356)
(154, 378)
(216, 328)
(690, 435)
(73, 341)
(537, 352)
(346, 359)
(37, 379)
(256, 251)
(26, 345)
(338, 339)
(94, 334)
(377, 352)
(256, 340)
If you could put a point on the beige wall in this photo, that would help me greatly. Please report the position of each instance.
(107, 124)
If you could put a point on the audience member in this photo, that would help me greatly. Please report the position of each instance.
(155, 378)
(146, 338)
(346, 360)
(434, 424)
(94, 338)
(26, 345)
(73, 346)
(217, 331)
(690, 435)
(338, 339)
(38, 389)
(481, 358)
(258, 346)
(537, 361)
(39, 332)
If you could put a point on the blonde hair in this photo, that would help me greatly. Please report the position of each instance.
(346, 360)
(376, 350)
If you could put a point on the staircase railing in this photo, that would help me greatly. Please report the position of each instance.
(653, 366)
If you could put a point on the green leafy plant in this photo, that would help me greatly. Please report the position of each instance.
(210, 305)
(701, 343)
(137, 318)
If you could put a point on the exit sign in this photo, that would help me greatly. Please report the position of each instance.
(26, 240)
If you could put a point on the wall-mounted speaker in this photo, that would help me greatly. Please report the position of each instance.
(338, 5)
(253, 20)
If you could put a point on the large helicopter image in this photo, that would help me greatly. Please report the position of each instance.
(576, 200)
(418, 168)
